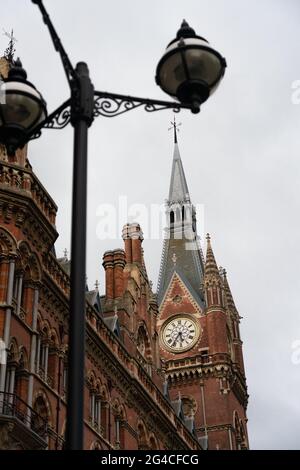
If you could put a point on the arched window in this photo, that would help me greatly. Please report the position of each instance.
(7, 247)
(237, 431)
(142, 437)
(18, 287)
(10, 376)
(26, 292)
(96, 445)
(104, 397)
(143, 343)
(53, 359)
(38, 347)
(95, 404)
(42, 351)
(189, 406)
(243, 436)
(153, 443)
(144, 348)
(172, 218)
(22, 375)
(40, 416)
(119, 420)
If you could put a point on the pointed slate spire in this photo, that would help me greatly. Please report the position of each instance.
(178, 186)
(213, 281)
(181, 249)
(228, 294)
(210, 263)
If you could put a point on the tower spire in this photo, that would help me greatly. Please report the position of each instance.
(178, 192)
(210, 263)
(181, 250)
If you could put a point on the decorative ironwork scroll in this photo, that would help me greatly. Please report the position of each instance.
(110, 104)
(60, 118)
(107, 105)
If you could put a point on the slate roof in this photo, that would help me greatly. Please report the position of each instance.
(181, 254)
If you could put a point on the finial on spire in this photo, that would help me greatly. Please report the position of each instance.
(10, 50)
(65, 253)
(97, 284)
(208, 237)
(175, 126)
(222, 272)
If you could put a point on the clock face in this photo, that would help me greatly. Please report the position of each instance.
(180, 333)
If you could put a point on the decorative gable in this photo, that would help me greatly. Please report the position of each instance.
(178, 298)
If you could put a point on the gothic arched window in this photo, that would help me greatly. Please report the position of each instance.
(172, 218)
(189, 406)
(142, 437)
(40, 416)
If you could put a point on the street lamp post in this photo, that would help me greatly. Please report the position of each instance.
(190, 70)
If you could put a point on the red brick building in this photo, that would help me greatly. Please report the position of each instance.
(163, 371)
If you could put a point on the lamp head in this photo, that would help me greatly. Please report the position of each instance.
(21, 109)
(190, 69)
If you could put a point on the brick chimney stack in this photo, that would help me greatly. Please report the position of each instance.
(119, 264)
(108, 264)
(133, 237)
(114, 262)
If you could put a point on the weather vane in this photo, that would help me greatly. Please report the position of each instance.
(175, 126)
(10, 50)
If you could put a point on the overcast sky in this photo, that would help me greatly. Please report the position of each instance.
(240, 154)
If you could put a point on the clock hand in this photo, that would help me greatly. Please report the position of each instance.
(175, 340)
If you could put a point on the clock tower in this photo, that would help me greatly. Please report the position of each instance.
(198, 324)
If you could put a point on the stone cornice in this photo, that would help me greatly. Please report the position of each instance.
(199, 370)
(20, 210)
(16, 177)
(51, 297)
(55, 271)
(24, 180)
(218, 427)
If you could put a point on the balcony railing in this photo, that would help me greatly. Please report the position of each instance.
(13, 406)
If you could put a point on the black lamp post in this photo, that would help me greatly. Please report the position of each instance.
(190, 70)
